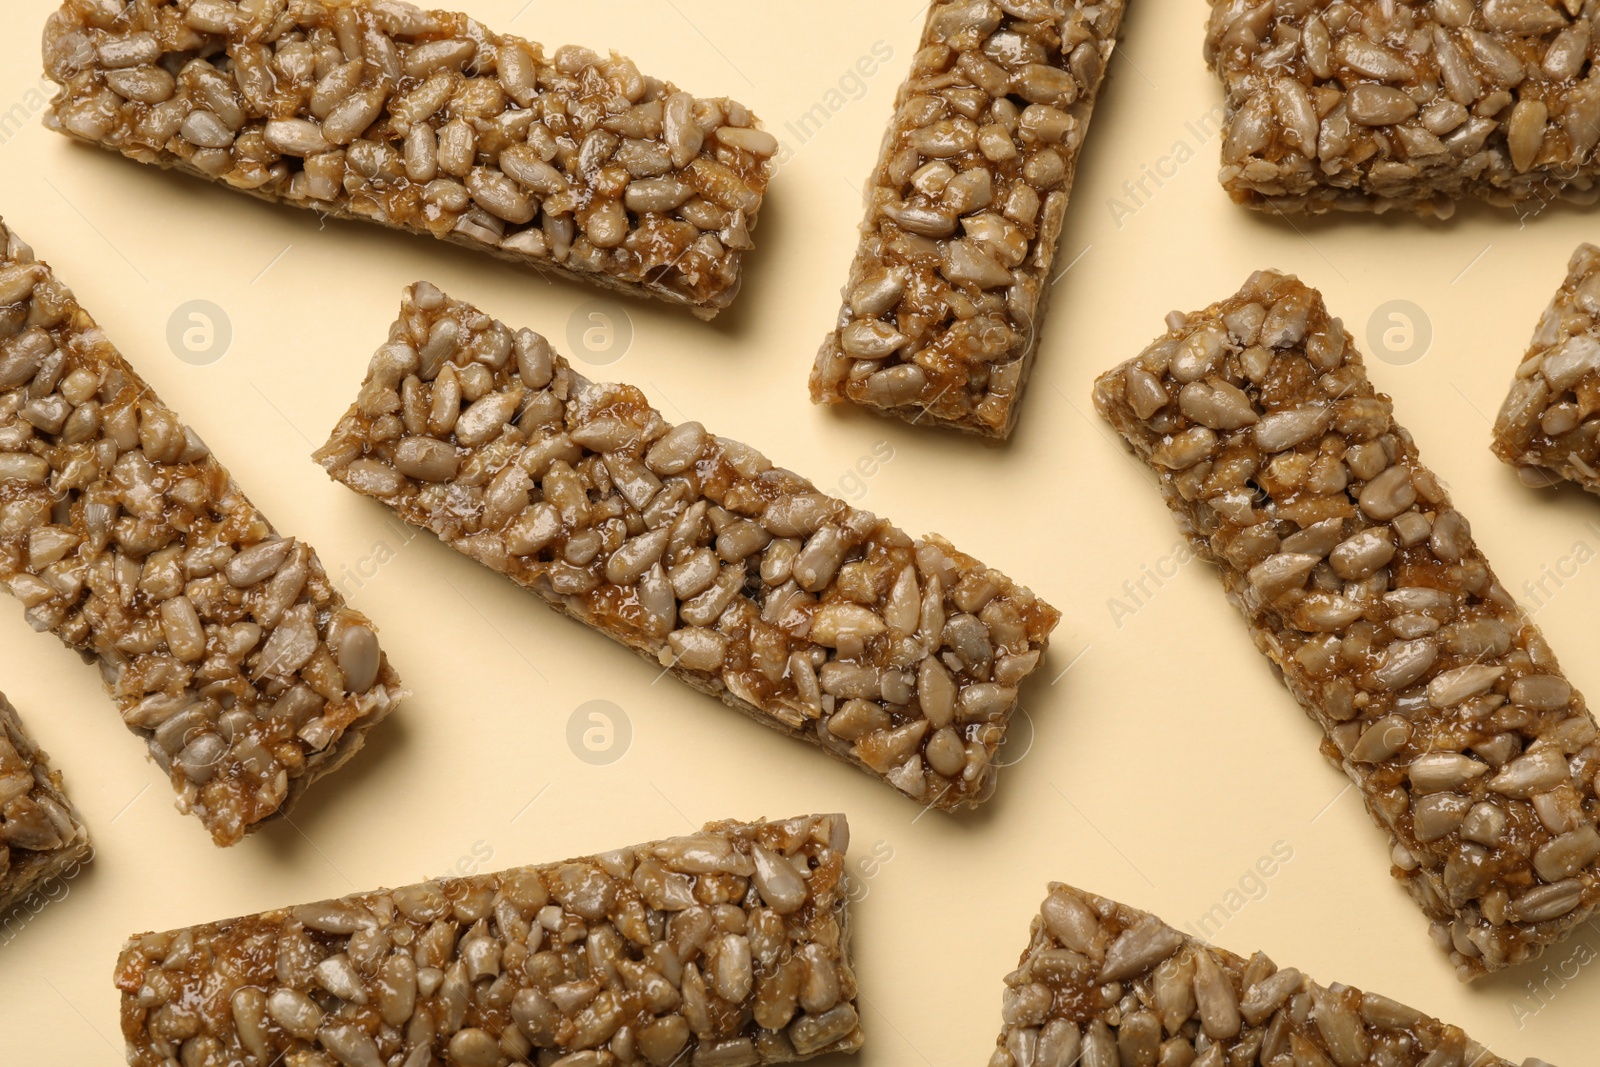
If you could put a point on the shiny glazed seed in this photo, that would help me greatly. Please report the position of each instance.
(205, 130)
(1280, 430)
(870, 339)
(945, 752)
(1378, 105)
(474, 1048)
(1361, 555)
(1439, 771)
(295, 1012)
(295, 137)
(896, 385)
(1388, 494)
(657, 194)
(1542, 692)
(1548, 902)
(1217, 405)
(426, 459)
(1381, 740)
(606, 224)
(359, 658)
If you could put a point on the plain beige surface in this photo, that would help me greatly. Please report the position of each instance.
(1161, 769)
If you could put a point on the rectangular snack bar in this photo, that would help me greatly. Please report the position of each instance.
(727, 948)
(1546, 427)
(1103, 984)
(815, 618)
(224, 645)
(1359, 580)
(42, 836)
(1369, 105)
(426, 121)
(942, 311)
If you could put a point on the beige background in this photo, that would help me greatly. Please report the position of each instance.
(1164, 765)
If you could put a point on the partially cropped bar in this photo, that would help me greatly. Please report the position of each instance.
(897, 655)
(569, 162)
(1368, 106)
(942, 311)
(1547, 427)
(224, 645)
(42, 836)
(1362, 584)
(1104, 984)
(727, 948)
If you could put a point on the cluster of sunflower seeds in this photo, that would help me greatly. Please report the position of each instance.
(728, 948)
(1102, 984)
(1438, 696)
(1370, 104)
(425, 120)
(942, 310)
(42, 837)
(224, 645)
(1547, 426)
(900, 656)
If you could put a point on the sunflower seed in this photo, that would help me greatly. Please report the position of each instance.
(1138, 949)
(1568, 854)
(1215, 998)
(1541, 770)
(1450, 688)
(1548, 902)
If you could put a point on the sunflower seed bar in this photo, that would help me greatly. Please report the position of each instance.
(1546, 427)
(1369, 105)
(224, 645)
(899, 656)
(728, 948)
(1362, 584)
(941, 314)
(426, 121)
(42, 836)
(1102, 983)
